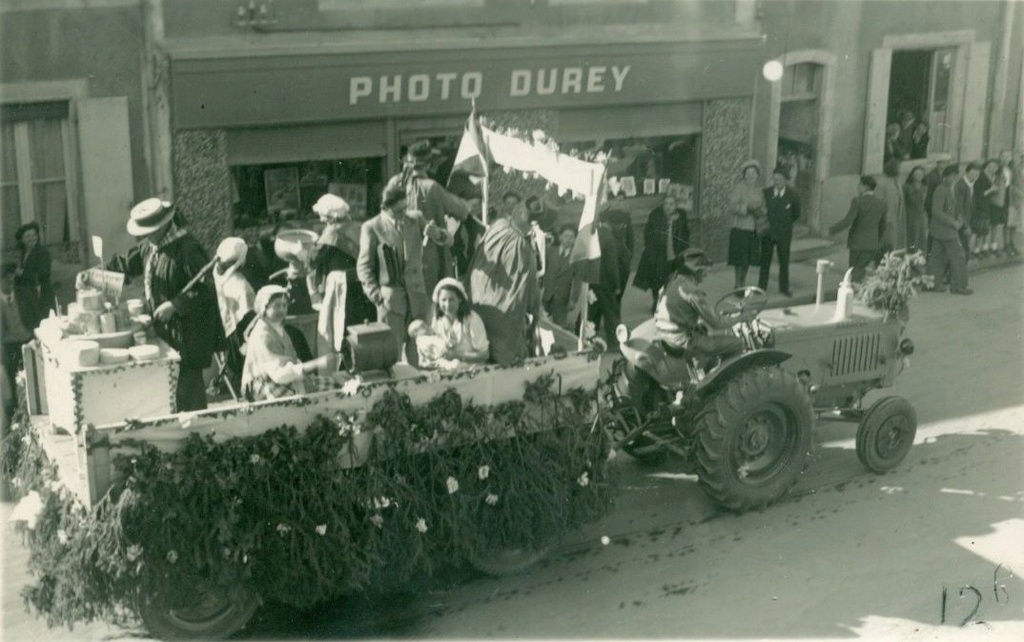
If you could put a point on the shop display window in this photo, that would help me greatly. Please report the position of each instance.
(642, 171)
(274, 193)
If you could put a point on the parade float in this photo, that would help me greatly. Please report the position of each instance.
(187, 521)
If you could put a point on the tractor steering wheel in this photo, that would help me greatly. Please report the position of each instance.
(741, 305)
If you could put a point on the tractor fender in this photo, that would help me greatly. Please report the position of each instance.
(737, 365)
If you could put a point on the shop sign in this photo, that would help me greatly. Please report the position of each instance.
(469, 85)
(241, 91)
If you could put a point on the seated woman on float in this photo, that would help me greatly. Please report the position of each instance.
(456, 336)
(272, 369)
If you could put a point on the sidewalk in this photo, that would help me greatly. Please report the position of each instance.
(636, 304)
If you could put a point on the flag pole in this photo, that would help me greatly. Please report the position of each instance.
(486, 196)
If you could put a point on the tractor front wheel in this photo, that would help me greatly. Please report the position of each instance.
(886, 433)
(753, 439)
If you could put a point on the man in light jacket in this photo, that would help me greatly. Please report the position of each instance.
(947, 251)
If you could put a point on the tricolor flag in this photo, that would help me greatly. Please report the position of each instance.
(585, 257)
(473, 157)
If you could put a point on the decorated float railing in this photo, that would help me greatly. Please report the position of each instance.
(187, 520)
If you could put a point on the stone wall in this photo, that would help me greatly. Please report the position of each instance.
(202, 184)
(725, 145)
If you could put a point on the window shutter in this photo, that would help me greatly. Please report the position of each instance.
(972, 134)
(107, 192)
(877, 110)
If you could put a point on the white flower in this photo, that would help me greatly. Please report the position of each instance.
(611, 454)
(28, 510)
(283, 528)
(483, 472)
(62, 536)
(491, 499)
(453, 485)
(186, 419)
(381, 502)
(421, 525)
(584, 479)
(377, 520)
(321, 529)
(134, 552)
(350, 387)
(254, 458)
(172, 556)
(606, 540)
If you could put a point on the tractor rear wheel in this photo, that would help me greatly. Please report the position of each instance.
(753, 439)
(886, 433)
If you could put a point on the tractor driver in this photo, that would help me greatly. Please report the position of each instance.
(683, 315)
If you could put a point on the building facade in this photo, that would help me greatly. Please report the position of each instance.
(246, 111)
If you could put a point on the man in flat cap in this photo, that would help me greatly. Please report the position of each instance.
(427, 196)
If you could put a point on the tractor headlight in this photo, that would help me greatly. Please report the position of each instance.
(622, 333)
(906, 347)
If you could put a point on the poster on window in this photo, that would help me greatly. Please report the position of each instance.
(355, 195)
(282, 188)
(683, 195)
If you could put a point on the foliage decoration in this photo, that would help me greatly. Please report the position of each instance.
(283, 514)
(897, 279)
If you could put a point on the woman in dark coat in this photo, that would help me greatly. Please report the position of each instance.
(167, 258)
(32, 280)
(655, 261)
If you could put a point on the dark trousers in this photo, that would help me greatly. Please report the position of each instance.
(948, 254)
(770, 246)
(191, 392)
(860, 260)
(605, 312)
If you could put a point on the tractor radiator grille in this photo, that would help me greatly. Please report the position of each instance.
(856, 354)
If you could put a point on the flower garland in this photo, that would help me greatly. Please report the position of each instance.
(897, 279)
(281, 514)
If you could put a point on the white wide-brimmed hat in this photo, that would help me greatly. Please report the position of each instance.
(332, 207)
(149, 216)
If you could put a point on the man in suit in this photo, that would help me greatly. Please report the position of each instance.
(963, 194)
(390, 264)
(606, 309)
(866, 220)
(947, 252)
(783, 210)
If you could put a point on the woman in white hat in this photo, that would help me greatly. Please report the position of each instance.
(272, 367)
(337, 249)
(455, 322)
(235, 298)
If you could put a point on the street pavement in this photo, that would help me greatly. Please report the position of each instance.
(850, 554)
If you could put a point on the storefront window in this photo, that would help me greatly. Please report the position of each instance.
(279, 192)
(642, 170)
